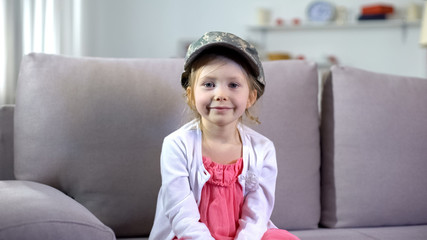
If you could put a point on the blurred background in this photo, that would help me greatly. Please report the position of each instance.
(378, 36)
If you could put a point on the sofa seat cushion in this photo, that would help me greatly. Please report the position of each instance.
(379, 233)
(35, 211)
(374, 149)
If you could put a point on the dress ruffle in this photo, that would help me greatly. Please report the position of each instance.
(223, 174)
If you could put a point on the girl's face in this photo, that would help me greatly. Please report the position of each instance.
(221, 92)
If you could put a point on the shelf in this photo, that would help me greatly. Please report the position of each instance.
(331, 26)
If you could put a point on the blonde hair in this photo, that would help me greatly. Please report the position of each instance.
(196, 69)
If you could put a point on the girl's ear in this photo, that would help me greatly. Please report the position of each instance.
(252, 98)
(188, 94)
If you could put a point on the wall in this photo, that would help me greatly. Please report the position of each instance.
(162, 28)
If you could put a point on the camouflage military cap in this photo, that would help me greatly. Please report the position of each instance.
(226, 40)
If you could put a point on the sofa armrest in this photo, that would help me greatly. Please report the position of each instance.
(35, 211)
(6, 142)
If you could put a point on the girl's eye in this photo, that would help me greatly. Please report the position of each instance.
(208, 84)
(233, 85)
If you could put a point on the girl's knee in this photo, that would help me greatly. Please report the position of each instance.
(278, 234)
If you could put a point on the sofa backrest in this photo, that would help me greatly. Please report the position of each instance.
(374, 149)
(93, 129)
(290, 118)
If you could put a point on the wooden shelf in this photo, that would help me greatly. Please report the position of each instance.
(331, 26)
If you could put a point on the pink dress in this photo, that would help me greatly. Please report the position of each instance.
(222, 199)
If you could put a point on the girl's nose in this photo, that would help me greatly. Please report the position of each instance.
(220, 94)
(220, 98)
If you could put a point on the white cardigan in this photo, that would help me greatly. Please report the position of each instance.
(183, 177)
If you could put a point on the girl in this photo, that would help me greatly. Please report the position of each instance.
(218, 176)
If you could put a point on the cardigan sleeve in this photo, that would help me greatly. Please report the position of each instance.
(258, 204)
(178, 199)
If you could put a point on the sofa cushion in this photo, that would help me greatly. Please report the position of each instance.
(417, 232)
(289, 116)
(93, 128)
(386, 233)
(374, 149)
(35, 211)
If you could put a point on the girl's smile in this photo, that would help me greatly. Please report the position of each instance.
(220, 108)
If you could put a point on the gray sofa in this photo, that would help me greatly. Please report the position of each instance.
(79, 152)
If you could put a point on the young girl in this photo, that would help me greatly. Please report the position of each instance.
(218, 176)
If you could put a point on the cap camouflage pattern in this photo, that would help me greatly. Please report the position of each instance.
(226, 40)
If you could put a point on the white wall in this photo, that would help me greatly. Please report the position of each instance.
(160, 29)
